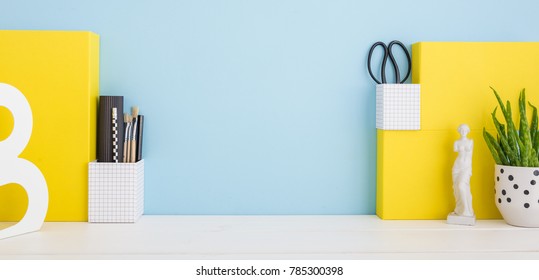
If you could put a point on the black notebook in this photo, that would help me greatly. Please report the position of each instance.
(104, 128)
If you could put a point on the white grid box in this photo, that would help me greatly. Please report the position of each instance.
(115, 192)
(398, 107)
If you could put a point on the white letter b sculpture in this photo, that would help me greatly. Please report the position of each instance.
(14, 169)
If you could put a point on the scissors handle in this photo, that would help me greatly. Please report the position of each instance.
(388, 53)
(394, 62)
(384, 61)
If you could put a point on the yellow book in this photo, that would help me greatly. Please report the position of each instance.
(414, 167)
(58, 72)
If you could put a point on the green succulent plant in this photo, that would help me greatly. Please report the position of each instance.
(511, 146)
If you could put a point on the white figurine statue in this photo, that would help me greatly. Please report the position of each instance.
(462, 171)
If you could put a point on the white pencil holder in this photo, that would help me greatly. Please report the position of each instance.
(398, 107)
(115, 192)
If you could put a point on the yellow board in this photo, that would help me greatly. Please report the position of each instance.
(414, 175)
(414, 167)
(58, 72)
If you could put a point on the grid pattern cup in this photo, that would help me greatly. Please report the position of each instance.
(115, 192)
(398, 107)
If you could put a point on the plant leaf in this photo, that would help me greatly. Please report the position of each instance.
(495, 150)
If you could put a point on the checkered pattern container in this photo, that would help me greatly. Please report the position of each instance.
(398, 107)
(115, 192)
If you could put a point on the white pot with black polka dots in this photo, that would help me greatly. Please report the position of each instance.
(517, 194)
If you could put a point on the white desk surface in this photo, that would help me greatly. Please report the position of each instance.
(274, 237)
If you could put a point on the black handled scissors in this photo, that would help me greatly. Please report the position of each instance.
(388, 53)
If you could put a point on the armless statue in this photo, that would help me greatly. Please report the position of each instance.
(462, 172)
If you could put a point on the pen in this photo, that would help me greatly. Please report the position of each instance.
(114, 134)
(133, 144)
(127, 121)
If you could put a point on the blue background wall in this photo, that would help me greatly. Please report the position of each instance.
(260, 107)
